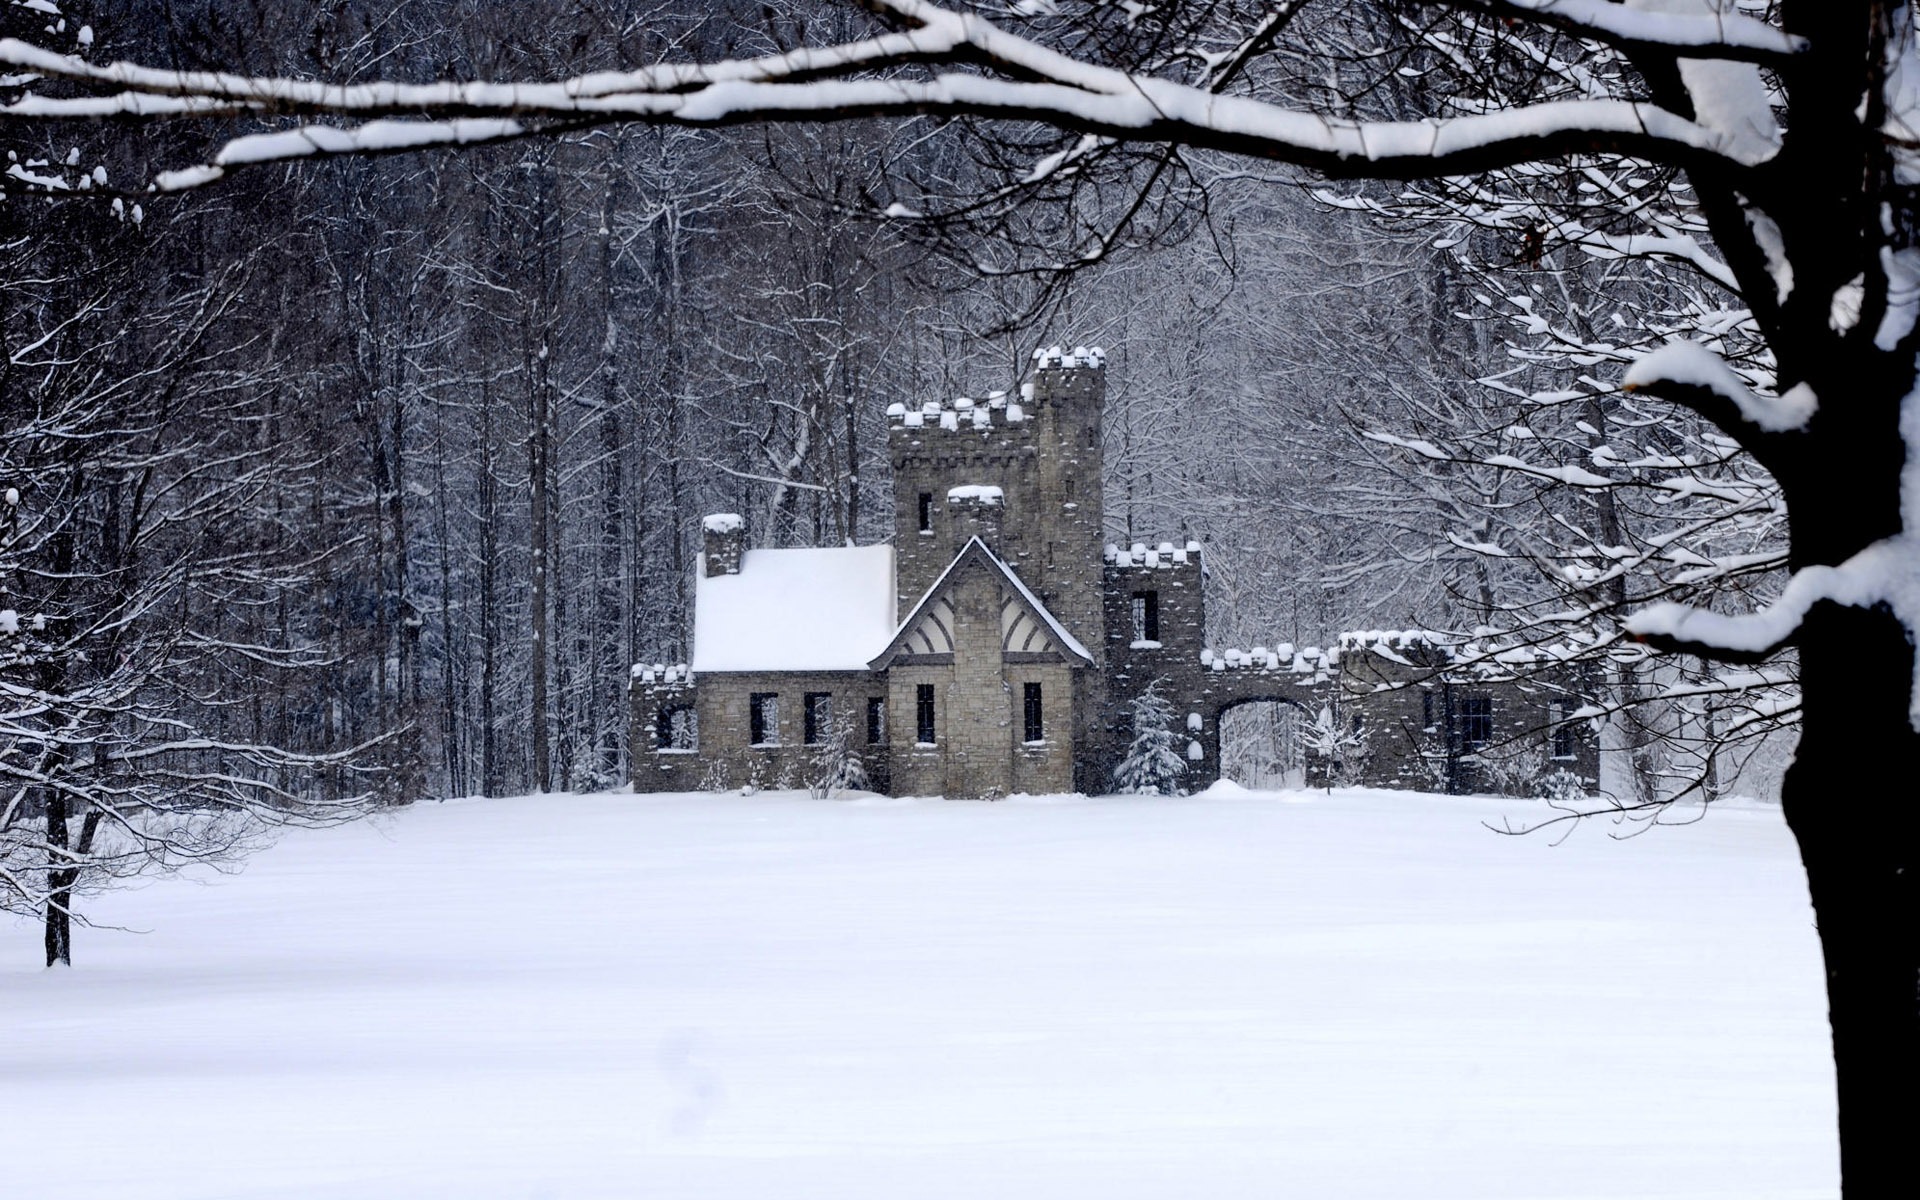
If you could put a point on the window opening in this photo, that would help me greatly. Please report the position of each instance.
(763, 718)
(926, 512)
(876, 720)
(816, 717)
(1476, 723)
(1565, 738)
(678, 728)
(1146, 616)
(923, 696)
(1035, 726)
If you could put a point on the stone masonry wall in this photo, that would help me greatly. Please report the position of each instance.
(1175, 578)
(1413, 703)
(725, 758)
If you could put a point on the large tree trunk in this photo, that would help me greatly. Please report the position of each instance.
(1848, 798)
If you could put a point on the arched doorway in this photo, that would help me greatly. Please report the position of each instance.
(1263, 743)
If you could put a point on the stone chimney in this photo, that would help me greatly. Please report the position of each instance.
(726, 543)
(975, 510)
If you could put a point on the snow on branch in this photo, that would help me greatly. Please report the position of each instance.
(1682, 367)
(1884, 573)
(1704, 34)
(1007, 77)
(326, 140)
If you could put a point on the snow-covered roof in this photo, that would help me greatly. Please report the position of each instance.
(795, 610)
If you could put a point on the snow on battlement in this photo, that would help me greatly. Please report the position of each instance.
(976, 493)
(959, 413)
(1055, 358)
(669, 674)
(1159, 557)
(724, 523)
(1486, 652)
(1310, 663)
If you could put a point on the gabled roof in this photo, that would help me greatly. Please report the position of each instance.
(795, 610)
(976, 550)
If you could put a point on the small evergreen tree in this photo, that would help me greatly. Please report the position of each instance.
(1153, 766)
(836, 764)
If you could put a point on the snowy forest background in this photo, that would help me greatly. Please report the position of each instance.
(388, 468)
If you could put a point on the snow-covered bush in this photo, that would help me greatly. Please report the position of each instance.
(1153, 765)
(836, 765)
(1343, 751)
(1562, 787)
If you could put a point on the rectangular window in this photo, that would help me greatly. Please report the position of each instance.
(678, 728)
(923, 714)
(763, 718)
(1427, 720)
(926, 512)
(1476, 723)
(1036, 728)
(1566, 741)
(1146, 616)
(816, 717)
(876, 720)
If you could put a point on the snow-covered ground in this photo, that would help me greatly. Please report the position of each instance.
(1362, 995)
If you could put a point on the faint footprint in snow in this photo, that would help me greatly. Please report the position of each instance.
(681, 1056)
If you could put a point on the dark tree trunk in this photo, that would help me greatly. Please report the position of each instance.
(1848, 798)
(60, 880)
(1848, 794)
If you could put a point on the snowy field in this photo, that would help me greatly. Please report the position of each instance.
(1362, 995)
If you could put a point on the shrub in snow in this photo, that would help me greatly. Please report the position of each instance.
(1344, 751)
(1562, 787)
(1154, 765)
(1518, 770)
(836, 765)
(715, 779)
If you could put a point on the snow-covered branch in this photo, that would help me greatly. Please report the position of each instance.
(1691, 374)
(1006, 76)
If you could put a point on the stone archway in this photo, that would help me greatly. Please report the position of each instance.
(1261, 742)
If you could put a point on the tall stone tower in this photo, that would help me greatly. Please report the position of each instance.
(1042, 453)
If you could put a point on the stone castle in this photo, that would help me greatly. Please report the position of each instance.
(995, 645)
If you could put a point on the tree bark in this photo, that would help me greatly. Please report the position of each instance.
(1848, 804)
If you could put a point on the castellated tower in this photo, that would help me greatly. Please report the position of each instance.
(1041, 451)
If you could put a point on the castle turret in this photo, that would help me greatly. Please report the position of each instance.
(1041, 450)
(1068, 394)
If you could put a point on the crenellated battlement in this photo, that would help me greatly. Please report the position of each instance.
(1163, 557)
(962, 414)
(1485, 655)
(1054, 358)
(1309, 664)
(660, 677)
